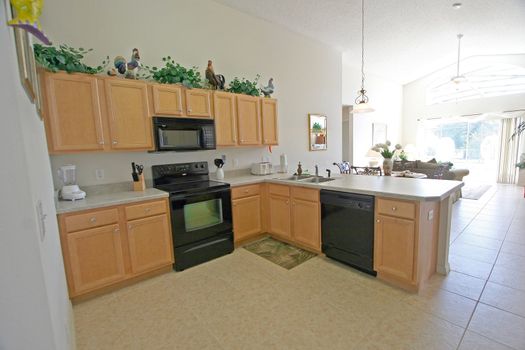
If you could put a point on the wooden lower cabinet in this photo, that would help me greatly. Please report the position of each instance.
(95, 257)
(306, 223)
(247, 218)
(98, 255)
(405, 241)
(394, 247)
(279, 220)
(149, 241)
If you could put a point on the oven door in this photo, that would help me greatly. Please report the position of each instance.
(196, 217)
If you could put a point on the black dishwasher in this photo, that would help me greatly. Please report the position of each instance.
(347, 229)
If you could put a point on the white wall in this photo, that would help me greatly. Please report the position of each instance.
(415, 109)
(386, 98)
(35, 312)
(307, 73)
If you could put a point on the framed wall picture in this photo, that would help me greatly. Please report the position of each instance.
(27, 66)
(379, 133)
(317, 132)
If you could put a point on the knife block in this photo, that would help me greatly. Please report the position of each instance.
(139, 185)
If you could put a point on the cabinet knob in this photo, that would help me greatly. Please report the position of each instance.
(129, 226)
(101, 142)
(147, 210)
(287, 202)
(114, 142)
(378, 220)
(246, 191)
(394, 208)
(93, 219)
(179, 110)
(116, 230)
(293, 203)
(189, 110)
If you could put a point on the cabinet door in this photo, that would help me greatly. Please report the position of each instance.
(269, 121)
(248, 120)
(150, 244)
(95, 258)
(73, 120)
(394, 247)
(128, 110)
(198, 103)
(279, 216)
(167, 100)
(225, 119)
(306, 225)
(246, 217)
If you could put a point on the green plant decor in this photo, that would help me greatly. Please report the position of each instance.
(316, 127)
(65, 58)
(244, 86)
(174, 73)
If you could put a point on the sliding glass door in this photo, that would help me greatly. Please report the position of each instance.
(470, 144)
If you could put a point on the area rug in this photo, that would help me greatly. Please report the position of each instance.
(279, 253)
(474, 191)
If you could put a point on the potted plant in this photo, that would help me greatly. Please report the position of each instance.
(174, 73)
(65, 58)
(387, 154)
(244, 86)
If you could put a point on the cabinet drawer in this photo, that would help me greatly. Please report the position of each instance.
(90, 220)
(396, 208)
(245, 191)
(307, 194)
(145, 209)
(279, 190)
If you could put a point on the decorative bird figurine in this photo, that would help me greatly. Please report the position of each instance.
(130, 68)
(215, 80)
(27, 14)
(268, 90)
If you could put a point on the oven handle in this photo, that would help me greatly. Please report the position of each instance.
(184, 196)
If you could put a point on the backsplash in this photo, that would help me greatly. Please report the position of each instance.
(117, 166)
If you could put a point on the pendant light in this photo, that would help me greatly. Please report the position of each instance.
(361, 102)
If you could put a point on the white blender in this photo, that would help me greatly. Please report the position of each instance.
(70, 190)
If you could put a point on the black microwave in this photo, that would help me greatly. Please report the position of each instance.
(183, 134)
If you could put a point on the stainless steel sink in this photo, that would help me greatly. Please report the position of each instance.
(297, 177)
(318, 179)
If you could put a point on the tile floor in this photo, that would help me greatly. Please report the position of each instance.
(242, 301)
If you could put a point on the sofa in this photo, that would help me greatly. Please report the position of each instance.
(433, 170)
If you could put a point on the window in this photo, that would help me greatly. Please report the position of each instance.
(487, 81)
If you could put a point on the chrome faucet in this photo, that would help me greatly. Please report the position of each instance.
(316, 170)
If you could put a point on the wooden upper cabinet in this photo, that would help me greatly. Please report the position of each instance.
(129, 115)
(149, 242)
(225, 119)
(198, 103)
(95, 258)
(168, 99)
(394, 247)
(248, 120)
(73, 117)
(269, 121)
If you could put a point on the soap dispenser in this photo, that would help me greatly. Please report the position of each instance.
(299, 169)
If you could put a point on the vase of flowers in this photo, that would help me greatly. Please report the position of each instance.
(388, 155)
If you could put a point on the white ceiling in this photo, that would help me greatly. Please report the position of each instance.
(404, 39)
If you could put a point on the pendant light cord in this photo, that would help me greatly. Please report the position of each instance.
(362, 44)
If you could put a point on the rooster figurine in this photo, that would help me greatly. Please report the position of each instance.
(268, 90)
(215, 80)
(131, 68)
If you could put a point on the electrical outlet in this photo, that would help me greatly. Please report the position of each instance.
(430, 215)
(235, 163)
(223, 158)
(99, 174)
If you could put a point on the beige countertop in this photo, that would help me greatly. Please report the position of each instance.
(386, 186)
(107, 195)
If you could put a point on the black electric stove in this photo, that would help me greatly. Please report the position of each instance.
(201, 213)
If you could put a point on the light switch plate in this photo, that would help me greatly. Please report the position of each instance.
(430, 214)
